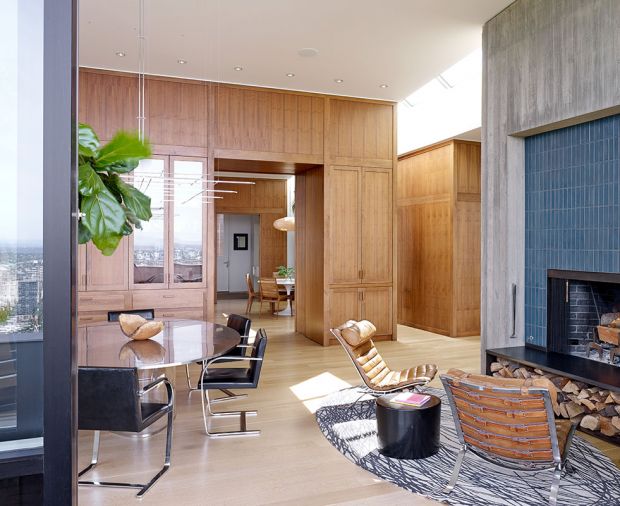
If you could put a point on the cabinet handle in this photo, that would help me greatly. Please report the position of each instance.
(87, 318)
(87, 299)
(165, 315)
(168, 296)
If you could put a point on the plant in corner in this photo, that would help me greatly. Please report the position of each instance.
(109, 207)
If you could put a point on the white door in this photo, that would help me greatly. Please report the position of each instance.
(240, 246)
(222, 254)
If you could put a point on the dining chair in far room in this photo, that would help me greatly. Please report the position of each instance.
(219, 378)
(110, 399)
(147, 314)
(251, 293)
(269, 292)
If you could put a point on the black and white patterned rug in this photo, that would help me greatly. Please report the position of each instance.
(352, 429)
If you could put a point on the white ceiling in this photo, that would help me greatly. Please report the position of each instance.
(402, 43)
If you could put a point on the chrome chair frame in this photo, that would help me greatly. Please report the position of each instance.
(206, 405)
(144, 487)
(559, 464)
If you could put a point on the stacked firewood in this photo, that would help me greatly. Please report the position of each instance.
(593, 408)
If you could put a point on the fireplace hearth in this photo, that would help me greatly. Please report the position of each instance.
(583, 314)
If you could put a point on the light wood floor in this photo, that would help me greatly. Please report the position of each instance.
(291, 462)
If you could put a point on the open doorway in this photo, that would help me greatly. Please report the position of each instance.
(238, 253)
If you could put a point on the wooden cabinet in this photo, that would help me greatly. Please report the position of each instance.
(438, 201)
(360, 225)
(107, 272)
(362, 303)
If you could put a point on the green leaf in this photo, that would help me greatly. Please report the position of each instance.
(132, 218)
(124, 166)
(89, 182)
(103, 214)
(84, 234)
(127, 228)
(108, 243)
(122, 148)
(136, 201)
(88, 142)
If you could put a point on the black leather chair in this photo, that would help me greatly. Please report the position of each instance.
(220, 378)
(242, 325)
(147, 314)
(111, 399)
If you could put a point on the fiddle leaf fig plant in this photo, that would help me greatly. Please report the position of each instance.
(109, 206)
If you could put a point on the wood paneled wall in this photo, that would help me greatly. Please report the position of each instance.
(251, 129)
(267, 198)
(438, 201)
(286, 124)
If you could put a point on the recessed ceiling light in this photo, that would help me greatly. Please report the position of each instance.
(308, 52)
(237, 69)
(338, 80)
(290, 74)
(383, 86)
(120, 54)
(181, 62)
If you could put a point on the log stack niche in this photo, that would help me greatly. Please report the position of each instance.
(342, 152)
(438, 205)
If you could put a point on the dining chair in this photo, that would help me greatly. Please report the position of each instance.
(251, 293)
(220, 378)
(147, 314)
(510, 423)
(242, 325)
(270, 292)
(110, 399)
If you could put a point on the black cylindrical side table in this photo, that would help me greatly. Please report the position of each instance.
(407, 432)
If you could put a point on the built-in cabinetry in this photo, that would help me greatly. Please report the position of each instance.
(438, 202)
(342, 152)
(162, 265)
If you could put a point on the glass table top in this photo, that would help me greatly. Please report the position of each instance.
(181, 342)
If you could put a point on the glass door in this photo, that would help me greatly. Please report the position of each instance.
(149, 252)
(187, 224)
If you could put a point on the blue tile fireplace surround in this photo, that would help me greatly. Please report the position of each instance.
(572, 212)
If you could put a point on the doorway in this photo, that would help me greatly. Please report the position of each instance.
(238, 248)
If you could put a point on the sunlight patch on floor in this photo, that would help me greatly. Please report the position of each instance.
(312, 391)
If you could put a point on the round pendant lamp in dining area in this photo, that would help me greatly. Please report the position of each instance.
(286, 224)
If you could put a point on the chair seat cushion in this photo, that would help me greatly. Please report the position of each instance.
(227, 378)
(357, 333)
(418, 374)
(151, 412)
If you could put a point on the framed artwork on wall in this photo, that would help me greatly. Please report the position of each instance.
(240, 242)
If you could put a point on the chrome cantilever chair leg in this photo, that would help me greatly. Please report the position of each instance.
(144, 487)
(555, 485)
(207, 412)
(229, 396)
(457, 469)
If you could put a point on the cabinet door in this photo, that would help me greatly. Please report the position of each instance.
(376, 224)
(377, 308)
(344, 304)
(149, 253)
(187, 224)
(344, 224)
(107, 272)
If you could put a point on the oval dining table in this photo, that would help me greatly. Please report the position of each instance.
(180, 343)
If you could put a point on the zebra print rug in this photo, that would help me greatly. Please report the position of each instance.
(352, 428)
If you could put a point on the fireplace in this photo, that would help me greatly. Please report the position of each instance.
(583, 314)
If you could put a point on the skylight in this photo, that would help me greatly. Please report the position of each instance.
(446, 106)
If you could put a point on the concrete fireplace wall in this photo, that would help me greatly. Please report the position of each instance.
(572, 209)
(547, 64)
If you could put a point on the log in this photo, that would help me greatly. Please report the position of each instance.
(615, 421)
(588, 404)
(615, 396)
(558, 381)
(590, 422)
(563, 411)
(505, 373)
(607, 411)
(609, 400)
(573, 409)
(496, 366)
(497, 375)
(539, 372)
(594, 390)
(571, 388)
(606, 427)
(576, 420)
(584, 394)
(617, 408)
